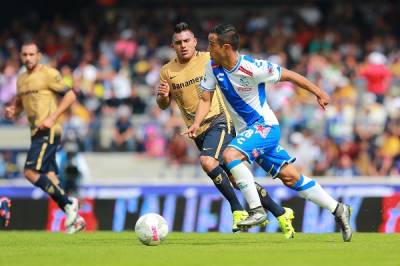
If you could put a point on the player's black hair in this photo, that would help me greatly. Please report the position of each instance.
(227, 34)
(31, 42)
(181, 26)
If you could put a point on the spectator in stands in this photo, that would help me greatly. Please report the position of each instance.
(377, 74)
(123, 138)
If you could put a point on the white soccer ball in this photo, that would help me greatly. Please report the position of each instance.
(151, 229)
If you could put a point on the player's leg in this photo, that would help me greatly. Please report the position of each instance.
(39, 163)
(311, 190)
(221, 181)
(211, 146)
(278, 163)
(246, 146)
(244, 179)
(266, 201)
(5, 211)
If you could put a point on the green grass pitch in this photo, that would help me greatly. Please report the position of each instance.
(109, 248)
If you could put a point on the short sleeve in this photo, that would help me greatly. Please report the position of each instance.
(55, 81)
(163, 75)
(268, 72)
(209, 82)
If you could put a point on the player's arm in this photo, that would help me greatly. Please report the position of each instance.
(208, 85)
(13, 110)
(304, 83)
(56, 84)
(163, 99)
(67, 100)
(203, 108)
(163, 91)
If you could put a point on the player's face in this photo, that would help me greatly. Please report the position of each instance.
(184, 44)
(215, 49)
(30, 56)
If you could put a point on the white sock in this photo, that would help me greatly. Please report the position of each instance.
(245, 181)
(311, 190)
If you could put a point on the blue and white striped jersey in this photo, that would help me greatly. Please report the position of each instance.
(244, 89)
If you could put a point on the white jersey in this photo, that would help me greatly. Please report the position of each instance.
(244, 89)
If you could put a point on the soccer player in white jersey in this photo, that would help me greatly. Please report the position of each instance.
(243, 82)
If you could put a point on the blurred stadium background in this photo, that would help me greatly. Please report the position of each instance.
(110, 52)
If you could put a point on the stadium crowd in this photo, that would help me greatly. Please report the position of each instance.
(112, 58)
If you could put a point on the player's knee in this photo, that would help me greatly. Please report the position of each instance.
(230, 154)
(289, 175)
(208, 163)
(31, 175)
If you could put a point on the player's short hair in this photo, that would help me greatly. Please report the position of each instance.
(181, 26)
(31, 42)
(227, 34)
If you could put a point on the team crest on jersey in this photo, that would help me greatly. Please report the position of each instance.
(262, 130)
(244, 81)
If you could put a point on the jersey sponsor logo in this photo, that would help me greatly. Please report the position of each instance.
(187, 83)
(221, 76)
(244, 89)
(28, 92)
(246, 71)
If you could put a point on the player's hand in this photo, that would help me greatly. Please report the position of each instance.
(10, 112)
(191, 131)
(47, 123)
(323, 99)
(163, 89)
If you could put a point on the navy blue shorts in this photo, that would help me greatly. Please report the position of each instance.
(42, 153)
(214, 140)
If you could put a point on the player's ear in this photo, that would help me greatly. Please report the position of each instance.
(226, 47)
(195, 41)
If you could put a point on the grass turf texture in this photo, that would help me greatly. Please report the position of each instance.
(108, 248)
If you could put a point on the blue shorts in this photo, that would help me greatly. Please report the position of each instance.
(260, 143)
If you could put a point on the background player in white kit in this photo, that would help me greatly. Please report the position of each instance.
(243, 81)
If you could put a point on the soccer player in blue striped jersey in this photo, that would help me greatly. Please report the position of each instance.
(243, 82)
(179, 81)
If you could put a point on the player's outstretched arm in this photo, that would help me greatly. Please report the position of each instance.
(163, 99)
(67, 100)
(202, 110)
(302, 82)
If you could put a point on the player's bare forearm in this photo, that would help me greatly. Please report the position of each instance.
(300, 81)
(304, 83)
(13, 110)
(163, 102)
(66, 102)
(204, 107)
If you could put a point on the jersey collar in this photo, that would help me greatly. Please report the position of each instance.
(236, 66)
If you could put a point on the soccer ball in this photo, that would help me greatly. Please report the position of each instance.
(151, 229)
